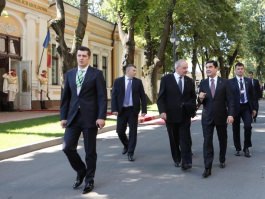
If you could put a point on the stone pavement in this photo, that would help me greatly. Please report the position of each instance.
(46, 173)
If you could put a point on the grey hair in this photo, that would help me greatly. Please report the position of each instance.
(179, 62)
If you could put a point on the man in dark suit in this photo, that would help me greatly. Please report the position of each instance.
(177, 104)
(245, 108)
(218, 110)
(127, 97)
(83, 109)
(257, 91)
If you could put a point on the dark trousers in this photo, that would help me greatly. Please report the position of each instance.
(246, 116)
(208, 149)
(180, 141)
(71, 137)
(128, 116)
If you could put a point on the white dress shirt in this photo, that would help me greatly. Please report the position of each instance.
(176, 75)
(245, 94)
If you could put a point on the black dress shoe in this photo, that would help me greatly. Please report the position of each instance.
(206, 173)
(177, 164)
(186, 166)
(237, 153)
(88, 187)
(222, 165)
(247, 154)
(131, 158)
(78, 181)
(124, 151)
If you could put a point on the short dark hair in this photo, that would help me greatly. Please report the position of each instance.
(213, 62)
(239, 64)
(250, 72)
(83, 48)
(127, 66)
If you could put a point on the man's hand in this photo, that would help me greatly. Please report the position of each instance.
(163, 116)
(100, 123)
(254, 112)
(230, 119)
(143, 114)
(202, 96)
(63, 123)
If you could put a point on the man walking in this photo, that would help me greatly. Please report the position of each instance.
(127, 97)
(83, 109)
(177, 104)
(245, 108)
(218, 110)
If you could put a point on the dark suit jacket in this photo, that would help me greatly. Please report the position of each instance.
(218, 108)
(256, 89)
(178, 106)
(92, 99)
(249, 92)
(138, 95)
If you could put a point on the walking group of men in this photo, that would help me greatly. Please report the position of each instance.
(84, 106)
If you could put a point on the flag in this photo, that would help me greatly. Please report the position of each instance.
(47, 39)
(49, 57)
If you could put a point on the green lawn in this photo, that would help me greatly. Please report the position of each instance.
(19, 133)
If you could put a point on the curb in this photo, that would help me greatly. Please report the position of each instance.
(56, 141)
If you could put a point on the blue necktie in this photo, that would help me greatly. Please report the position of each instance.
(180, 84)
(242, 96)
(128, 92)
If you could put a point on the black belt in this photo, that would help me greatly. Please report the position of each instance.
(127, 107)
(243, 104)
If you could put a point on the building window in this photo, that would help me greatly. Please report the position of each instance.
(104, 67)
(10, 45)
(3, 44)
(95, 60)
(55, 66)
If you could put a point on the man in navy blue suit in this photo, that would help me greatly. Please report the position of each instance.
(127, 97)
(218, 111)
(245, 108)
(83, 109)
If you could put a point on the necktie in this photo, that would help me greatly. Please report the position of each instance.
(212, 87)
(80, 78)
(180, 84)
(242, 96)
(128, 92)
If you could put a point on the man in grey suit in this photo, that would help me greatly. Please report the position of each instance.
(83, 109)
(218, 110)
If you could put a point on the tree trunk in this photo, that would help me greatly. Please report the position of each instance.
(2, 6)
(151, 69)
(194, 63)
(127, 40)
(67, 55)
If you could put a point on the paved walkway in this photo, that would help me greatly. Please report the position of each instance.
(46, 173)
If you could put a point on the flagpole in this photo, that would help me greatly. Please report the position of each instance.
(40, 61)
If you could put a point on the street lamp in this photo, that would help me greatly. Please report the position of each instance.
(175, 41)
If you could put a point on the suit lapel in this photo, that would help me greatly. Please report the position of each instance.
(88, 75)
(123, 86)
(176, 83)
(207, 87)
(218, 85)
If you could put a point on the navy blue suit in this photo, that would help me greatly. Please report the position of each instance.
(214, 114)
(81, 112)
(257, 92)
(128, 114)
(244, 111)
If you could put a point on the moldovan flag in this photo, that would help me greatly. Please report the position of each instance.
(47, 39)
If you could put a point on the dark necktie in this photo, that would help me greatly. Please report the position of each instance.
(212, 87)
(180, 84)
(242, 96)
(128, 92)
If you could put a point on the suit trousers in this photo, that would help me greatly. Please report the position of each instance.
(208, 149)
(71, 137)
(246, 116)
(128, 116)
(180, 141)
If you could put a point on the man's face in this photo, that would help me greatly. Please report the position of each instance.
(211, 70)
(130, 71)
(82, 58)
(182, 69)
(239, 70)
(250, 76)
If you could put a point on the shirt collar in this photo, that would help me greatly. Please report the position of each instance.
(215, 78)
(127, 78)
(83, 69)
(238, 78)
(177, 75)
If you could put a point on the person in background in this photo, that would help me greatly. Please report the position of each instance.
(128, 96)
(257, 92)
(245, 108)
(10, 86)
(43, 88)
